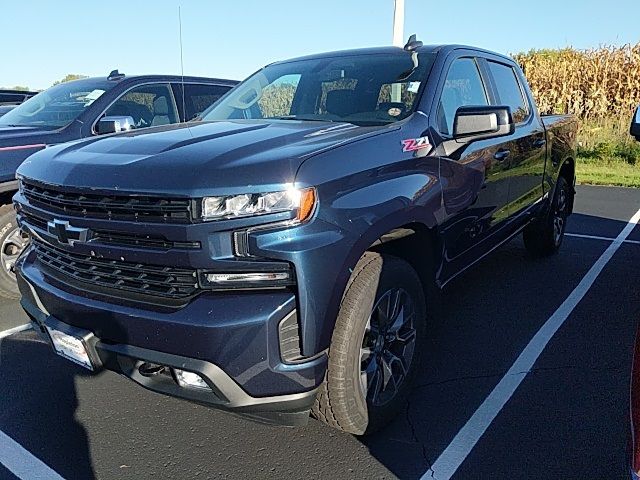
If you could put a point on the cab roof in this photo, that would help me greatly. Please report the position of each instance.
(445, 48)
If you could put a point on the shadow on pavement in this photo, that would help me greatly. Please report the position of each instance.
(490, 314)
(48, 401)
(598, 226)
(39, 402)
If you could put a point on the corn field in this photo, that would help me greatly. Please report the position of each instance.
(602, 88)
(597, 84)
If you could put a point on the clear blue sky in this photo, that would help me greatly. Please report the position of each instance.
(44, 40)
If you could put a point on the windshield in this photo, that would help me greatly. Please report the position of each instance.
(370, 89)
(57, 106)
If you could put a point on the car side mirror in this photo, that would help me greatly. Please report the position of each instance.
(635, 124)
(115, 124)
(473, 123)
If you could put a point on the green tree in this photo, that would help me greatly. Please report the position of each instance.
(69, 77)
(17, 87)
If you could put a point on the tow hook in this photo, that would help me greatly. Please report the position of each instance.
(151, 369)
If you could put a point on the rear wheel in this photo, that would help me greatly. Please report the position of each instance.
(375, 346)
(544, 236)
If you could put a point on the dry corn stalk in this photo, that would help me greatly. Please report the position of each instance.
(593, 84)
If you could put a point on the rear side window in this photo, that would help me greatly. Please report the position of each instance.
(509, 90)
(148, 105)
(199, 97)
(463, 87)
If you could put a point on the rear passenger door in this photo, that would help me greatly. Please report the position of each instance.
(477, 183)
(197, 98)
(527, 147)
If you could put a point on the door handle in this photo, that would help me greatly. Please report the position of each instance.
(502, 154)
(539, 143)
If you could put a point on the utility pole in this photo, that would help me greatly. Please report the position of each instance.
(398, 41)
(398, 23)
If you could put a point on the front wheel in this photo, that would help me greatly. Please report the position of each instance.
(544, 236)
(375, 347)
(12, 243)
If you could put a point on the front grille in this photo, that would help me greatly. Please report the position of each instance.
(117, 238)
(113, 207)
(168, 282)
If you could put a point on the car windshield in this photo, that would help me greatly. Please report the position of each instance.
(369, 89)
(57, 106)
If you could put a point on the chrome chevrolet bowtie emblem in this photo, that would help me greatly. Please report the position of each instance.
(67, 234)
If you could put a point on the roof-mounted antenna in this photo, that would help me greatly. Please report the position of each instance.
(412, 44)
(184, 112)
(115, 75)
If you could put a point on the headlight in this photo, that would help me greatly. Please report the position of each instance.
(248, 205)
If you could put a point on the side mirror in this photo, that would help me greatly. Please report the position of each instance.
(635, 124)
(115, 124)
(479, 123)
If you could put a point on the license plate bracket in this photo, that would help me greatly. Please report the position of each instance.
(73, 344)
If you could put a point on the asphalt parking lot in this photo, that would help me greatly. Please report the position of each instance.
(567, 419)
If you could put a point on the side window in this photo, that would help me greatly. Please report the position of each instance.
(199, 97)
(463, 86)
(509, 90)
(11, 98)
(149, 105)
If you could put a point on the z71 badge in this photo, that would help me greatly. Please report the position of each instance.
(414, 144)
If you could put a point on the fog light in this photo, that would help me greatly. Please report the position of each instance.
(190, 380)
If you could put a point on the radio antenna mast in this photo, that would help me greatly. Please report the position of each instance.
(184, 112)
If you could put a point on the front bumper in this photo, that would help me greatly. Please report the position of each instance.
(230, 340)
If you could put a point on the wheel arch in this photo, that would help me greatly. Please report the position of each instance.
(418, 245)
(568, 171)
(6, 198)
(400, 238)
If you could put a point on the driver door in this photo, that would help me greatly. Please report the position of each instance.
(475, 180)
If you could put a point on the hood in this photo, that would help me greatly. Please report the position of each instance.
(12, 136)
(194, 159)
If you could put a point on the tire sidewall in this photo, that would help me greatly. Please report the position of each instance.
(380, 275)
(8, 225)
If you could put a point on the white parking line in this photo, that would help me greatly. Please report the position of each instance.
(11, 331)
(22, 463)
(597, 237)
(457, 451)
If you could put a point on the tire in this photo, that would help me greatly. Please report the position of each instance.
(11, 245)
(544, 236)
(353, 400)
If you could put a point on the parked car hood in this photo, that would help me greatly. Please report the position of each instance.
(194, 159)
(15, 136)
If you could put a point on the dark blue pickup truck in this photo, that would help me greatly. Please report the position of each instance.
(282, 256)
(80, 109)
